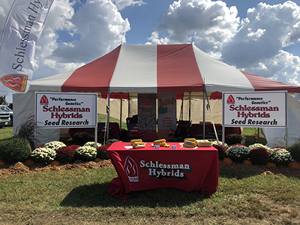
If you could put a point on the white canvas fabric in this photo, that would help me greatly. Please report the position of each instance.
(136, 70)
(220, 77)
(277, 136)
(52, 83)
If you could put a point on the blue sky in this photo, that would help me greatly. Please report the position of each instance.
(260, 37)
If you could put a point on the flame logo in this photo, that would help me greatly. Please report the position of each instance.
(230, 100)
(44, 100)
(12, 80)
(14, 85)
(16, 82)
(131, 169)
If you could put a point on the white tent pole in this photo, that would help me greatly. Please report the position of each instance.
(203, 115)
(128, 106)
(121, 104)
(96, 128)
(190, 106)
(181, 112)
(286, 137)
(223, 127)
(286, 124)
(213, 123)
(223, 135)
(107, 113)
(35, 123)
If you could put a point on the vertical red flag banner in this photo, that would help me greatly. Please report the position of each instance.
(23, 27)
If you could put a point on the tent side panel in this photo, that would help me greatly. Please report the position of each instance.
(24, 107)
(276, 136)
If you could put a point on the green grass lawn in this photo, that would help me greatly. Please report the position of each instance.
(6, 132)
(81, 197)
(250, 133)
(102, 118)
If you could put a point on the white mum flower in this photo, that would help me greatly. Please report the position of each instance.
(92, 144)
(86, 153)
(258, 145)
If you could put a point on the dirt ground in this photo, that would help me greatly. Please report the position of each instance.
(261, 169)
(20, 168)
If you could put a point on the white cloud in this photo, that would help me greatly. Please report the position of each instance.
(262, 36)
(98, 25)
(284, 67)
(155, 39)
(253, 44)
(121, 4)
(209, 24)
(256, 35)
(265, 31)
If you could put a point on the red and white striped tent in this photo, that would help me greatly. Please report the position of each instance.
(174, 68)
(133, 69)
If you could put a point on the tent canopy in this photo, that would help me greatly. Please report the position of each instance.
(174, 68)
(133, 69)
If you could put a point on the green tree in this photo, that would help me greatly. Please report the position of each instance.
(3, 101)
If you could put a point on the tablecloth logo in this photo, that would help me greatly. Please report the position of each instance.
(161, 170)
(131, 169)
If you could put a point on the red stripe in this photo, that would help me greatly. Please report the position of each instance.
(95, 76)
(265, 84)
(216, 95)
(177, 69)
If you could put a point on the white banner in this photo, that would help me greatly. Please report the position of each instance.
(255, 109)
(167, 111)
(23, 27)
(62, 110)
(166, 115)
(147, 112)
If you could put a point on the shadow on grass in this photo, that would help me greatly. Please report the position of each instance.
(97, 195)
(236, 174)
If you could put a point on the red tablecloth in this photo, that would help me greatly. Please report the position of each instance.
(148, 168)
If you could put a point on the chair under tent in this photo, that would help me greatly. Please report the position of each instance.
(187, 108)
